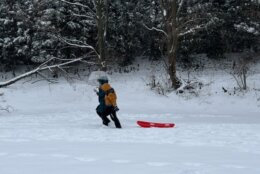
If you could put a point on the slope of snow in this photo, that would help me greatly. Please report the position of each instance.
(53, 129)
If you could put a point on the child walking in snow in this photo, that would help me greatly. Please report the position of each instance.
(107, 102)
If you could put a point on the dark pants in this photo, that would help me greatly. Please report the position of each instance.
(109, 111)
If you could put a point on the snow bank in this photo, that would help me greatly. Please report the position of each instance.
(54, 129)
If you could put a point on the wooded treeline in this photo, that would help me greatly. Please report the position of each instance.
(117, 31)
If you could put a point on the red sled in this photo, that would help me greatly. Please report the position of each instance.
(146, 124)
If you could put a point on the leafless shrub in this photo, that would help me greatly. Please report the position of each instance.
(159, 86)
(190, 88)
(240, 70)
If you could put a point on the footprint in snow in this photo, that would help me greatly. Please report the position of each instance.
(193, 164)
(190, 172)
(83, 159)
(234, 166)
(158, 164)
(26, 154)
(60, 155)
(3, 154)
(121, 161)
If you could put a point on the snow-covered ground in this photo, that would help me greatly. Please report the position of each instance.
(53, 129)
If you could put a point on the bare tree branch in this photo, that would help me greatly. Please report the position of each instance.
(180, 7)
(92, 17)
(191, 30)
(185, 24)
(156, 29)
(46, 78)
(79, 44)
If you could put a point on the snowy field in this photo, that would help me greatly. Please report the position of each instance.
(53, 129)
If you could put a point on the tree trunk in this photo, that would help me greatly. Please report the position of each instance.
(172, 42)
(101, 40)
(244, 79)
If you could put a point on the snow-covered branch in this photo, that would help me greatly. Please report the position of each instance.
(244, 27)
(78, 43)
(191, 30)
(184, 28)
(156, 29)
(91, 17)
(180, 7)
(188, 22)
(42, 67)
(197, 24)
(79, 4)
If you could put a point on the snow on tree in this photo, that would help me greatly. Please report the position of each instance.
(32, 32)
(180, 18)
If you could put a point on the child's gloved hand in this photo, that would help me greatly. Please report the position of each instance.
(116, 109)
(96, 90)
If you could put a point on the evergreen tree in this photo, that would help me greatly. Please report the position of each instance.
(8, 26)
(71, 24)
(33, 31)
(32, 35)
(121, 39)
(127, 36)
(245, 24)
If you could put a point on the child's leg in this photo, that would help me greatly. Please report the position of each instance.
(104, 118)
(115, 119)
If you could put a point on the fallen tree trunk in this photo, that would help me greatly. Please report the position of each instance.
(38, 69)
(9, 82)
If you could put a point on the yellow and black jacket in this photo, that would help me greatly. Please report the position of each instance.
(106, 96)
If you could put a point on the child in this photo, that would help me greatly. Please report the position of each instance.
(107, 102)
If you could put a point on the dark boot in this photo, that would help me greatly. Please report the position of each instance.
(105, 121)
(116, 120)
